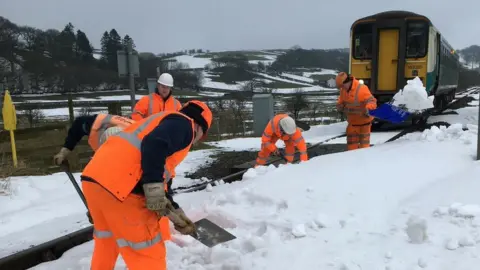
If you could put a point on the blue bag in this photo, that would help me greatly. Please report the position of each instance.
(390, 113)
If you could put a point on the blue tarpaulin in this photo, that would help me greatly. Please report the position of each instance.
(390, 113)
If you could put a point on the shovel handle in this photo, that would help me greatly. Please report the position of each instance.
(66, 167)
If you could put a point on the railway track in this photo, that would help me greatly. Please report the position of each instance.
(55, 248)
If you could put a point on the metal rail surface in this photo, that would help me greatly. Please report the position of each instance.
(55, 248)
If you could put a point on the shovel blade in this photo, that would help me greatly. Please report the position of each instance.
(210, 234)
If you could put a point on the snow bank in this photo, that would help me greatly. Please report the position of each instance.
(329, 217)
(413, 97)
(41, 208)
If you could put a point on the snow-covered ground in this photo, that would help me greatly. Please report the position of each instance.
(40, 208)
(407, 212)
(376, 208)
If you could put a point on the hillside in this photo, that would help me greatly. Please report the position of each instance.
(263, 71)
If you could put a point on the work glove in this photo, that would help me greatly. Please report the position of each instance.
(61, 156)
(155, 199)
(181, 222)
(340, 108)
(367, 113)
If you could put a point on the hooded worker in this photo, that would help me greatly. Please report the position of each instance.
(282, 127)
(125, 187)
(355, 100)
(97, 127)
(159, 101)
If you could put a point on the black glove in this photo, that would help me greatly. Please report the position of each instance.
(169, 186)
(89, 217)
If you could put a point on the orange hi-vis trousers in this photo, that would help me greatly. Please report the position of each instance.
(358, 136)
(264, 154)
(124, 227)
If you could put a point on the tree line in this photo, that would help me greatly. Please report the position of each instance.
(65, 61)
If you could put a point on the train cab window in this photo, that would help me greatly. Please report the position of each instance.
(362, 41)
(417, 37)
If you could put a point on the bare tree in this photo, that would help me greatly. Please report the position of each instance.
(296, 103)
(239, 108)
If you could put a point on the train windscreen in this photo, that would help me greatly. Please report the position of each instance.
(362, 41)
(417, 39)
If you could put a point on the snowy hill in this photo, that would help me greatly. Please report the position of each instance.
(286, 83)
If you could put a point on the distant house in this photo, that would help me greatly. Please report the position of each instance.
(331, 83)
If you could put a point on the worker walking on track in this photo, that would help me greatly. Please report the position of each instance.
(125, 187)
(282, 127)
(161, 100)
(355, 100)
(95, 127)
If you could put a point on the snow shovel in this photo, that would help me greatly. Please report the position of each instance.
(66, 168)
(390, 113)
(207, 232)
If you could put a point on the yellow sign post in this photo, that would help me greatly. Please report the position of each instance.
(10, 122)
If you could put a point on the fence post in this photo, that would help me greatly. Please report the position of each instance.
(115, 108)
(70, 108)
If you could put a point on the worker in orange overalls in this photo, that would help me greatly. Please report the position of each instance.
(93, 126)
(355, 100)
(161, 100)
(282, 127)
(125, 187)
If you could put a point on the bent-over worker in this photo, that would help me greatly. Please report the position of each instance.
(93, 126)
(355, 100)
(282, 127)
(125, 187)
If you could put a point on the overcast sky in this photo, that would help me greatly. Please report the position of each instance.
(171, 25)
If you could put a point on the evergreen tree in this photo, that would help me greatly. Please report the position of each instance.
(84, 49)
(114, 45)
(104, 46)
(125, 41)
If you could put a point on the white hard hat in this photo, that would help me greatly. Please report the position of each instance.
(361, 81)
(288, 125)
(109, 132)
(165, 79)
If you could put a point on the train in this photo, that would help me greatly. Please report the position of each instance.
(391, 47)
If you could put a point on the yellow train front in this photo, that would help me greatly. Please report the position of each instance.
(389, 48)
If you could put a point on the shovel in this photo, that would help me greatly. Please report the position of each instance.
(206, 232)
(66, 168)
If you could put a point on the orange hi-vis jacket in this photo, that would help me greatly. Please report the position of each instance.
(153, 103)
(354, 103)
(272, 133)
(116, 165)
(101, 123)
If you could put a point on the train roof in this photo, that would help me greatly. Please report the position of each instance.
(392, 14)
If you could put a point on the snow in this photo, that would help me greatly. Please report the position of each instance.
(300, 78)
(323, 72)
(314, 135)
(377, 214)
(376, 208)
(413, 97)
(467, 116)
(56, 207)
(193, 62)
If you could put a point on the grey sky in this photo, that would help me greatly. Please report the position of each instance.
(165, 26)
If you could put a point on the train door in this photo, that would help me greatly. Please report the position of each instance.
(388, 43)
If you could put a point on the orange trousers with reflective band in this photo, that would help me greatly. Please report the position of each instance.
(264, 154)
(358, 136)
(124, 227)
